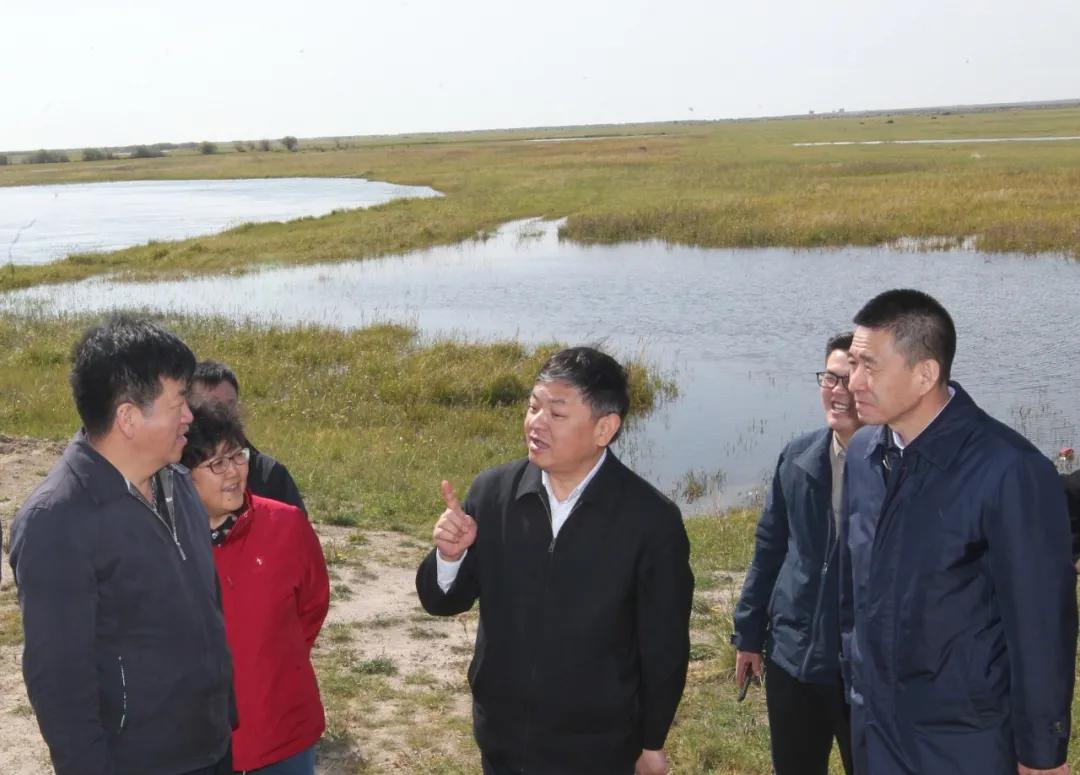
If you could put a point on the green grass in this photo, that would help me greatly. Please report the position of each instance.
(369, 422)
(722, 184)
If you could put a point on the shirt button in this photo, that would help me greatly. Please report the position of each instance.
(1059, 726)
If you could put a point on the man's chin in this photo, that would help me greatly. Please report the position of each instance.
(539, 458)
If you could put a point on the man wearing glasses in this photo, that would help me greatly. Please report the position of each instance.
(216, 384)
(788, 606)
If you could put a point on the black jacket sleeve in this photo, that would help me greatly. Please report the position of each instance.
(1037, 601)
(57, 587)
(465, 590)
(462, 594)
(665, 591)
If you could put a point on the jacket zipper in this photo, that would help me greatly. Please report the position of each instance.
(532, 673)
(885, 522)
(551, 522)
(123, 694)
(814, 622)
(170, 529)
(550, 554)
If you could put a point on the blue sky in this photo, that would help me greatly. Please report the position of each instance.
(82, 74)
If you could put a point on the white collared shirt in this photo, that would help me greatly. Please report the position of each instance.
(560, 510)
(446, 571)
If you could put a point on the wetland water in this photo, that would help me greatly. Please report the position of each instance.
(741, 331)
(39, 224)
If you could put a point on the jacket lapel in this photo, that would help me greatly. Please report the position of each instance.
(814, 460)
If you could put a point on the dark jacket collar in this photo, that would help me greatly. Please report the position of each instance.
(610, 471)
(942, 438)
(814, 460)
(101, 480)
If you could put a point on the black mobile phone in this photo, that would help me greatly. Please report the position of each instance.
(745, 686)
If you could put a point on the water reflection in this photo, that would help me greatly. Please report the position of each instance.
(43, 223)
(742, 331)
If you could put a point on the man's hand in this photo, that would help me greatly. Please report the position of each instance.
(652, 763)
(747, 661)
(1062, 770)
(455, 531)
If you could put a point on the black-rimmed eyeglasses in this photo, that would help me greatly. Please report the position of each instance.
(220, 465)
(829, 380)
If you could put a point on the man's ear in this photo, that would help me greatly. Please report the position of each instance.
(606, 428)
(128, 419)
(928, 372)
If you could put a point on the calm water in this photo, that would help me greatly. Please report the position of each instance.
(741, 330)
(44, 223)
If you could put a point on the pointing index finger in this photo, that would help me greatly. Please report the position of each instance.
(450, 498)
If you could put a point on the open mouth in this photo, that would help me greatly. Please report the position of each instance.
(535, 443)
(840, 408)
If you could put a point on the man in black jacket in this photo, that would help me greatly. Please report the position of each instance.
(215, 382)
(125, 658)
(582, 572)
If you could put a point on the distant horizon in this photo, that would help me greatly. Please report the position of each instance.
(113, 73)
(1049, 104)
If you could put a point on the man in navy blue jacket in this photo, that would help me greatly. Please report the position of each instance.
(125, 659)
(788, 606)
(958, 606)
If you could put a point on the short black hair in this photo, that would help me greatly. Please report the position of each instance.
(124, 359)
(211, 424)
(921, 327)
(213, 373)
(600, 379)
(838, 342)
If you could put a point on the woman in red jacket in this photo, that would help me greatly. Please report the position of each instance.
(275, 593)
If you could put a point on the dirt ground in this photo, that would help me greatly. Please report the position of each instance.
(392, 677)
(374, 620)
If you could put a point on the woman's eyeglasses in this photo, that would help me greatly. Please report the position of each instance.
(220, 465)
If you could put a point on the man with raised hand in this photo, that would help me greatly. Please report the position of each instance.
(125, 658)
(788, 606)
(958, 594)
(582, 573)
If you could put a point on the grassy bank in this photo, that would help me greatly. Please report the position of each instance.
(725, 184)
(368, 421)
